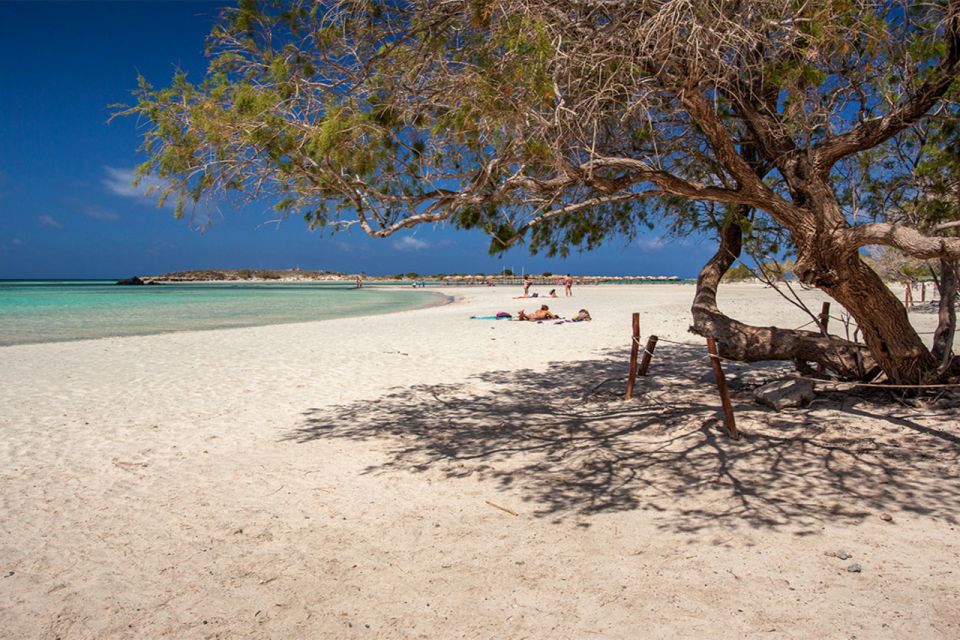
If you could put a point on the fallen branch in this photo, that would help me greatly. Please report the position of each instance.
(496, 506)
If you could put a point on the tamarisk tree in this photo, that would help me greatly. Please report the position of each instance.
(559, 124)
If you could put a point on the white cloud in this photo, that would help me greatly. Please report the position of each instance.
(49, 221)
(120, 182)
(17, 242)
(655, 243)
(409, 243)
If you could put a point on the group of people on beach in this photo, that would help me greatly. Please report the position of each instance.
(566, 281)
(544, 313)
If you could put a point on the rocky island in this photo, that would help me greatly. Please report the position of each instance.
(236, 275)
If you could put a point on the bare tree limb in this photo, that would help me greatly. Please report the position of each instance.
(906, 239)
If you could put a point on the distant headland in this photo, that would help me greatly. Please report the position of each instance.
(238, 275)
(303, 275)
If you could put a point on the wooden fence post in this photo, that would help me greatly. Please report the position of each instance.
(634, 352)
(923, 292)
(728, 419)
(824, 322)
(647, 354)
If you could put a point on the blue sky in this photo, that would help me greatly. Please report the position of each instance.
(67, 209)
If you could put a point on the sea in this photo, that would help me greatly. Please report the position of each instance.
(34, 311)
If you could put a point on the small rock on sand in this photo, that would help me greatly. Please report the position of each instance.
(854, 568)
(788, 392)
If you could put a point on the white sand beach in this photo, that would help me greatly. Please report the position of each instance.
(341, 479)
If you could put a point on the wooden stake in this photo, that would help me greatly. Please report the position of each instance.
(728, 419)
(923, 292)
(647, 354)
(824, 321)
(634, 352)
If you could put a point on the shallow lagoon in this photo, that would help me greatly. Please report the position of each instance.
(34, 311)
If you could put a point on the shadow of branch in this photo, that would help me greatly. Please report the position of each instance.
(568, 455)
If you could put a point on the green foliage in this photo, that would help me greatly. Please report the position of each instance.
(739, 273)
(503, 237)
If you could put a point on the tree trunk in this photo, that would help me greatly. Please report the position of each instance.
(746, 343)
(882, 320)
(947, 314)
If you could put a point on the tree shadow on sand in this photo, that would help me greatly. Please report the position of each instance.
(567, 444)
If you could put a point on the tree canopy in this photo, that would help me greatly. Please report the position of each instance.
(558, 124)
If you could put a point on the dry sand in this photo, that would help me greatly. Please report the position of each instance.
(335, 479)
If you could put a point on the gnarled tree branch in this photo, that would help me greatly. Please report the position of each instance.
(746, 343)
(906, 239)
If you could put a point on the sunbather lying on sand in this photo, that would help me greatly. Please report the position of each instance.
(543, 313)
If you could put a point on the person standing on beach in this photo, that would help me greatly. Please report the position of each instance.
(359, 282)
(568, 286)
(526, 286)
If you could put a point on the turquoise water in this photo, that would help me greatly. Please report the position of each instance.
(48, 311)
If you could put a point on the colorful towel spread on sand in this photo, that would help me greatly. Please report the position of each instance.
(503, 315)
